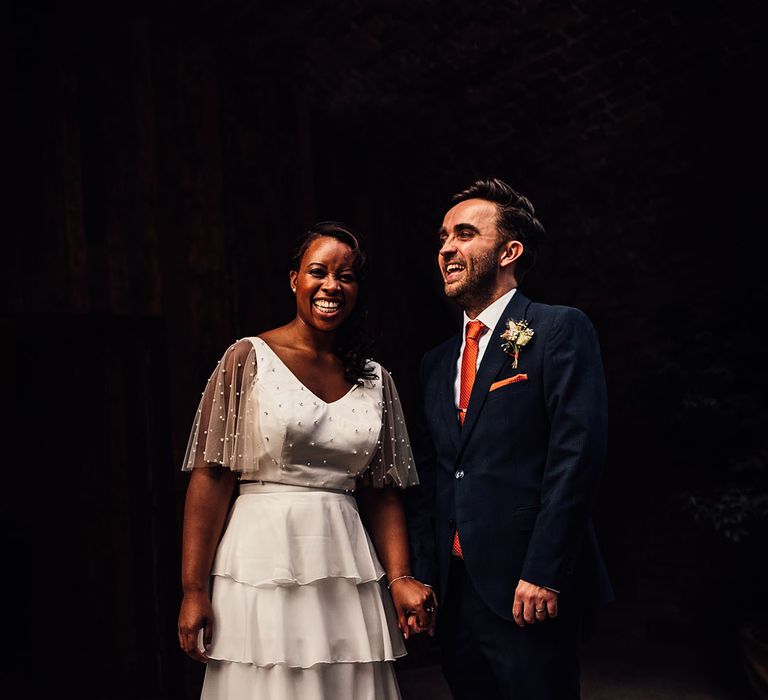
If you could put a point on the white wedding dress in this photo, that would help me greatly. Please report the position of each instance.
(300, 611)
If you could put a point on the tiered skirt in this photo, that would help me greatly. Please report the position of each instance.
(299, 610)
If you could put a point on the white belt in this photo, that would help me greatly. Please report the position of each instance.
(273, 487)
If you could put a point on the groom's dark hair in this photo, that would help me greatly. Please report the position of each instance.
(517, 218)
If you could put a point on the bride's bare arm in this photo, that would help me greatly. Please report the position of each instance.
(208, 497)
(384, 516)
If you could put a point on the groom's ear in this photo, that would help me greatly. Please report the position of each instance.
(511, 251)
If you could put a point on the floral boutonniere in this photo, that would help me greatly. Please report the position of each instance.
(516, 337)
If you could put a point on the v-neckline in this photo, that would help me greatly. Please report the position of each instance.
(299, 382)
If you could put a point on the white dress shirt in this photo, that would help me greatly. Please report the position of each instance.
(489, 317)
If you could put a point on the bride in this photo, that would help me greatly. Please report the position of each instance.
(304, 604)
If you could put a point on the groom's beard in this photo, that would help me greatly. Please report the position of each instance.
(476, 291)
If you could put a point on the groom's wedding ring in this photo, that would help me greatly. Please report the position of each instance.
(540, 610)
(430, 609)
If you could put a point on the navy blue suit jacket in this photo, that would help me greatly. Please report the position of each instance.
(519, 478)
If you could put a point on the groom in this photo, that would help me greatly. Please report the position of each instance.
(509, 460)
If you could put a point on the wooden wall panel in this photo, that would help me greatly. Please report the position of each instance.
(167, 156)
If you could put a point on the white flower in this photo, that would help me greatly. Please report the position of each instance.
(524, 337)
(516, 337)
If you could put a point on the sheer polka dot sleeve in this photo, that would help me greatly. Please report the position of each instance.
(392, 463)
(224, 431)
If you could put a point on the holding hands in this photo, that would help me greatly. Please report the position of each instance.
(416, 605)
(533, 603)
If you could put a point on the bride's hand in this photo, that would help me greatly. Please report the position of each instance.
(196, 613)
(416, 605)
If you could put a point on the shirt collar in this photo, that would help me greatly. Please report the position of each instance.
(490, 315)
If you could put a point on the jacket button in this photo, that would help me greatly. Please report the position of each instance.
(459, 474)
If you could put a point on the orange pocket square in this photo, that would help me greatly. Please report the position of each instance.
(508, 380)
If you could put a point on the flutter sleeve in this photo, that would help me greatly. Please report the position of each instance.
(226, 429)
(392, 463)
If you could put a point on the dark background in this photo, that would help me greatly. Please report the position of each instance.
(164, 156)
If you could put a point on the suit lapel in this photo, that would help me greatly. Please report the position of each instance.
(447, 400)
(490, 366)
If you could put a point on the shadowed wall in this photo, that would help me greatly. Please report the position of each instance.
(167, 158)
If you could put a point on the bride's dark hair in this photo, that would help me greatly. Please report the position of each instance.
(353, 342)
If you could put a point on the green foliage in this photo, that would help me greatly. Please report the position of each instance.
(733, 514)
(711, 400)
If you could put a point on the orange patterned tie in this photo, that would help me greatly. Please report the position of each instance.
(468, 371)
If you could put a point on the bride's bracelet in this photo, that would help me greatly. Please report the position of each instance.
(398, 578)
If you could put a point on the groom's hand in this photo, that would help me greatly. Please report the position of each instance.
(533, 603)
